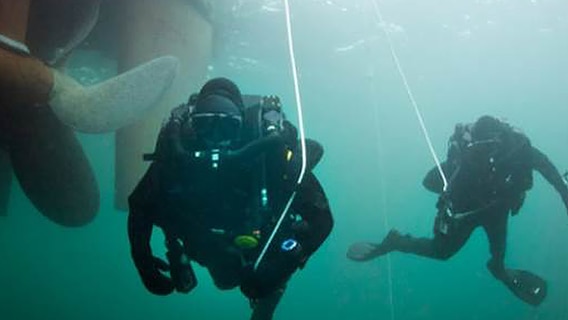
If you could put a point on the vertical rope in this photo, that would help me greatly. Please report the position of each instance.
(424, 132)
(299, 108)
(383, 197)
(409, 92)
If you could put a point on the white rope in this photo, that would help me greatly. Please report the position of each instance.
(299, 109)
(409, 92)
(302, 134)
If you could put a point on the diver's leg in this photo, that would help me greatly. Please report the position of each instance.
(313, 205)
(449, 238)
(495, 227)
(444, 244)
(263, 309)
(527, 286)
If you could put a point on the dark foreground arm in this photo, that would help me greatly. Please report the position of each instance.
(433, 181)
(272, 275)
(140, 225)
(546, 168)
(313, 206)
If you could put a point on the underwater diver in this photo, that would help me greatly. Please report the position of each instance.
(222, 175)
(489, 168)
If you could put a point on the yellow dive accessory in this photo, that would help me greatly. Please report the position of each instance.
(246, 241)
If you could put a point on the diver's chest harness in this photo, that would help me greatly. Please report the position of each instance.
(497, 171)
(262, 157)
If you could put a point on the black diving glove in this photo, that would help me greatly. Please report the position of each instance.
(154, 280)
(182, 274)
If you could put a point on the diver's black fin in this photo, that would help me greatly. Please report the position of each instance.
(527, 286)
(364, 251)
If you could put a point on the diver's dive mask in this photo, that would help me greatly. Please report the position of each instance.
(486, 136)
(484, 150)
(217, 130)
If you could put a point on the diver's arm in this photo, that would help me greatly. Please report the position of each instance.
(433, 181)
(546, 168)
(139, 234)
(142, 207)
(140, 224)
(314, 151)
(313, 206)
(310, 233)
(148, 266)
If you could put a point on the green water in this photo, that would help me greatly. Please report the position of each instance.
(508, 58)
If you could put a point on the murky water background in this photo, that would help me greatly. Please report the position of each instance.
(507, 58)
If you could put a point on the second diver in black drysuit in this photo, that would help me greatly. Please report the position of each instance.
(489, 170)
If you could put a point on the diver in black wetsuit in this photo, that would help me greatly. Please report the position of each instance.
(221, 177)
(489, 170)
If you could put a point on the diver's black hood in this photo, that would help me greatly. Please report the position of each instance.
(221, 90)
(217, 104)
(487, 127)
